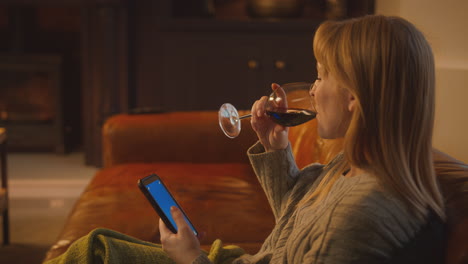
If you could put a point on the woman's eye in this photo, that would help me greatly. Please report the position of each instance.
(318, 79)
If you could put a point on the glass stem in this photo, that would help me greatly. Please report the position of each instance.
(245, 116)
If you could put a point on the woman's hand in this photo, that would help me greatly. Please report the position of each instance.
(272, 135)
(182, 247)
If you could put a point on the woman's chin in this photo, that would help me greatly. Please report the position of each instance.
(328, 135)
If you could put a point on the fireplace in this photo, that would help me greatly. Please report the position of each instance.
(31, 102)
(59, 102)
(40, 77)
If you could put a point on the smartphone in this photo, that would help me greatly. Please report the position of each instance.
(162, 200)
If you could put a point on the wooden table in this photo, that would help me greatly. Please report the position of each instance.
(4, 187)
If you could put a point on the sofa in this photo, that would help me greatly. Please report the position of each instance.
(210, 176)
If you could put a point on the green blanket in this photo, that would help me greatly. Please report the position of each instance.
(108, 246)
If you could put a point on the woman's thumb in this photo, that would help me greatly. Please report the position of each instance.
(178, 217)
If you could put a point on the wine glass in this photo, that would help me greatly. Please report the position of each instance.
(289, 106)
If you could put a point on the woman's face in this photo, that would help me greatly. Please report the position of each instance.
(333, 103)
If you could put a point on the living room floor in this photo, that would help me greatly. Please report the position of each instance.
(42, 189)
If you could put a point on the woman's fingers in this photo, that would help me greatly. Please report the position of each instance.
(162, 227)
(271, 135)
(253, 110)
(179, 219)
(258, 108)
(258, 113)
(281, 99)
(164, 231)
(182, 247)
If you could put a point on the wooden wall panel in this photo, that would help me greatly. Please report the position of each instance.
(105, 71)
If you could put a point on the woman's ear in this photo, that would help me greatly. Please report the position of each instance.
(351, 102)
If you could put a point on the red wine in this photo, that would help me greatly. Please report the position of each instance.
(292, 117)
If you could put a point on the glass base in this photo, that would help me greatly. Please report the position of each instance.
(229, 120)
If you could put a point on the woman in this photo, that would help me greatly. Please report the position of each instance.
(376, 202)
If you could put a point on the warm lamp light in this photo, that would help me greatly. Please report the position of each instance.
(275, 8)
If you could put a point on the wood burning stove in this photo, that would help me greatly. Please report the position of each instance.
(31, 102)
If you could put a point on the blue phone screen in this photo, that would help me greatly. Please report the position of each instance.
(165, 201)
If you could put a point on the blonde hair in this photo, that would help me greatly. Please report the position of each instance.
(388, 66)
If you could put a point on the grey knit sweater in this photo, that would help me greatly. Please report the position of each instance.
(358, 221)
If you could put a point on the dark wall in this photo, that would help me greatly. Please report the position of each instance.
(187, 58)
(144, 56)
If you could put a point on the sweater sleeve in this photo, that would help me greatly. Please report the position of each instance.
(276, 171)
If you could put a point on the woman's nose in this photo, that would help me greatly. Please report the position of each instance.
(312, 90)
(312, 96)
